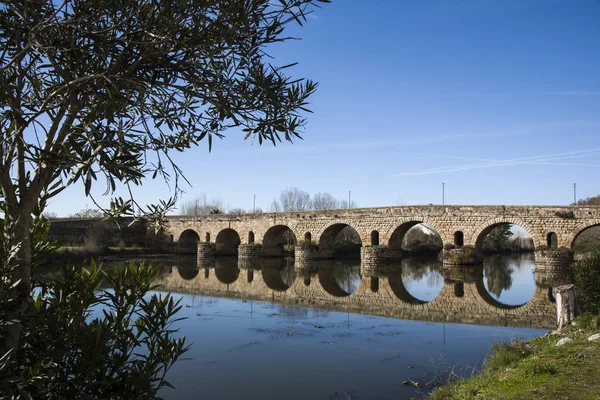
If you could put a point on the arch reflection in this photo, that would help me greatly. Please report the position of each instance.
(509, 279)
(341, 278)
(328, 284)
(279, 274)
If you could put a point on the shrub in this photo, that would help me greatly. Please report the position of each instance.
(587, 279)
(80, 340)
(504, 354)
(565, 214)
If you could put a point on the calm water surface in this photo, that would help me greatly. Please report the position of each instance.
(251, 349)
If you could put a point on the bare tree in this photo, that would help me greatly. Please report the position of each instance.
(201, 205)
(344, 204)
(325, 201)
(236, 211)
(292, 199)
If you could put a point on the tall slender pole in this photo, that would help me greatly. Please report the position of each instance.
(349, 192)
(254, 205)
(574, 194)
(443, 193)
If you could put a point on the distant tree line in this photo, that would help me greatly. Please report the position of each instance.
(295, 199)
(590, 201)
(290, 199)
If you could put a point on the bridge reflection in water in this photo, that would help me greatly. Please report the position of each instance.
(338, 285)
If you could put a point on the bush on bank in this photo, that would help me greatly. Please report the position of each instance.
(586, 275)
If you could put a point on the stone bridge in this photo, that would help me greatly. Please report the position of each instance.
(381, 230)
(462, 299)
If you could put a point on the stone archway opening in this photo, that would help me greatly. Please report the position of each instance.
(587, 240)
(374, 284)
(279, 241)
(250, 237)
(503, 238)
(459, 239)
(307, 237)
(188, 242)
(552, 240)
(508, 263)
(374, 238)
(340, 241)
(227, 242)
(416, 238)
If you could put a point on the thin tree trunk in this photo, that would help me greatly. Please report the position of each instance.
(21, 273)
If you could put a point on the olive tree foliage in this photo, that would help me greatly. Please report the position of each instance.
(110, 90)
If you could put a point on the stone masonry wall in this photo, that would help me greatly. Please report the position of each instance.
(473, 221)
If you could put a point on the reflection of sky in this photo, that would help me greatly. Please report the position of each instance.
(256, 350)
(523, 278)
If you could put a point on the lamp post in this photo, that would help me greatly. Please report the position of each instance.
(443, 193)
(254, 205)
(574, 194)
(349, 193)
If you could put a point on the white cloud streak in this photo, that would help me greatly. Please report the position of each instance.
(536, 160)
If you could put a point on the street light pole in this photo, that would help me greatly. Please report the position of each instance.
(574, 194)
(443, 193)
(254, 205)
(349, 192)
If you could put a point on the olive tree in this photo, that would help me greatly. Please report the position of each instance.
(109, 89)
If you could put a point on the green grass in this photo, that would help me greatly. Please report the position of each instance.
(536, 369)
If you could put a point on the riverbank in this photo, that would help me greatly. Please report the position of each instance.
(537, 369)
(78, 255)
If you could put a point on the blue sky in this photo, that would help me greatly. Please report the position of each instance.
(499, 100)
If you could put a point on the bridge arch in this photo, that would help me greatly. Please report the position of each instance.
(570, 242)
(329, 235)
(552, 240)
(276, 239)
(188, 242)
(395, 235)
(227, 242)
(481, 232)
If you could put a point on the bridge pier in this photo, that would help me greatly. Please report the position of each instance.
(465, 255)
(206, 250)
(557, 260)
(250, 251)
(373, 259)
(310, 252)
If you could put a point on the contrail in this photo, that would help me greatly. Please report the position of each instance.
(545, 160)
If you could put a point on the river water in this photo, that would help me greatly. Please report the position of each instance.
(325, 332)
